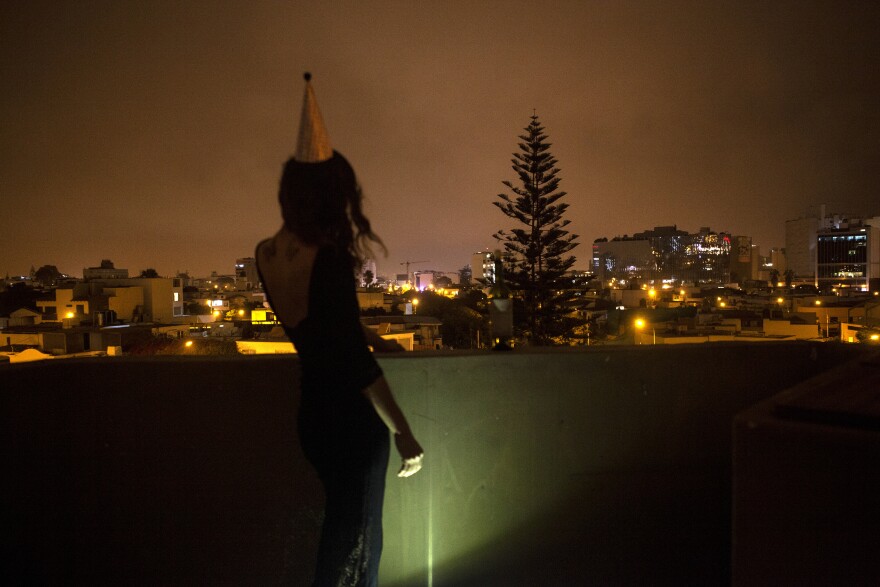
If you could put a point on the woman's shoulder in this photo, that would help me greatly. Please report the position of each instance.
(284, 256)
(264, 249)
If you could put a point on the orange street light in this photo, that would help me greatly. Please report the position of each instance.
(640, 324)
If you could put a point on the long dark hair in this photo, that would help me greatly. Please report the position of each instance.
(321, 204)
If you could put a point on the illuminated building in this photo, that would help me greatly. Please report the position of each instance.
(246, 276)
(849, 256)
(623, 259)
(802, 237)
(665, 254)
(483, 266)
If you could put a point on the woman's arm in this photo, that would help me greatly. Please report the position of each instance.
(379, 394)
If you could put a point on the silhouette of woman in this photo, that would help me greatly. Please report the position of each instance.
(347, 409)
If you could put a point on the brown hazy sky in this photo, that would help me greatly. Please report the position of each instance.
(154, 133)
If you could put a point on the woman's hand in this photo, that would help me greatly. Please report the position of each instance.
(383, 402)
(410, 452)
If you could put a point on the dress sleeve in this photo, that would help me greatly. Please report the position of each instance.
(348, 359)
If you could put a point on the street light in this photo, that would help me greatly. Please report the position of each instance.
(415, 303)
(640, 325)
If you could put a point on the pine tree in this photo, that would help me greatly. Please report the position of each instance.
(536, 251)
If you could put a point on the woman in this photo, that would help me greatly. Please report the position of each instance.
(346, 410)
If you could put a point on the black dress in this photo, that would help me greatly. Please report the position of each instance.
(340, 431)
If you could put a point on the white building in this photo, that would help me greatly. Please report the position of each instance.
(483, 266)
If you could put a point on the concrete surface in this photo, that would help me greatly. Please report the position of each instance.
(589, 466)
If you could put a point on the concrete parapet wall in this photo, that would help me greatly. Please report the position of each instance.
(601, 465)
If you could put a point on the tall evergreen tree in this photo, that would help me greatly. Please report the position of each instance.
(536, 248)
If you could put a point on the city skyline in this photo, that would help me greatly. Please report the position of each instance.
(156, 139)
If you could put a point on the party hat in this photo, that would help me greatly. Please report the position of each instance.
(313, 144)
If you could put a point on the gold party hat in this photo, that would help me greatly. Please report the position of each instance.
(313, 144)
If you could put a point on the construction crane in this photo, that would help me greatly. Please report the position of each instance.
(408, 263)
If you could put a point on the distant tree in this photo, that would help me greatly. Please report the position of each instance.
(866, 335)
(18, 296)
(707, 302)
(47, 275)
(368, 278)
(459, 322)
(465, 275)
(149, 273)
(474, 299)
(774, 277)
(239, 307)
(442, 281)
(788, 276)
(538, 246)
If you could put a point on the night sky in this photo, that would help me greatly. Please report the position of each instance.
(154, 133)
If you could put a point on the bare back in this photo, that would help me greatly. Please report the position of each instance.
(285, 264)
